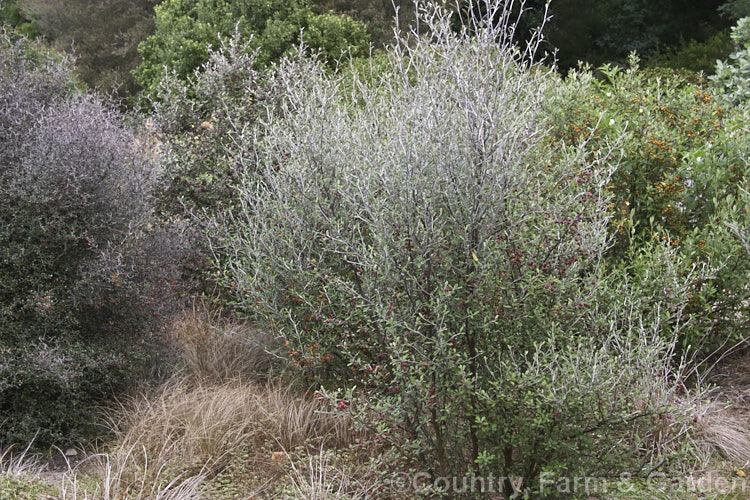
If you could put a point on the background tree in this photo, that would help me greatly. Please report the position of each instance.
(378, 15)
(103, 34)
(735, 9)
(600, 31)
(186, 30)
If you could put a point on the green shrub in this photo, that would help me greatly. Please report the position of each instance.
(435, 261)
(83, 273)
(683, 159)
(731, 80)
(199, 120)
(199, 123)
(186, 31)
(11, 15)
(742, 227)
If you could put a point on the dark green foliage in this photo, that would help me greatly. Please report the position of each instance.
(601, 31)
(333, 34)
(103, 34)
(378, 15)
(695, 56)
(11, 15)
(735, 9)
(187, 29)
(84, 276)
(594, 31)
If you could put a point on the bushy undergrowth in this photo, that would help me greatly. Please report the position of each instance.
(437, 261)
(196, 119)
(694, 56)
(683, 164)
(85, 277)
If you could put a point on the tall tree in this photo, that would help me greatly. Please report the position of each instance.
(599, 31)
(103, 34)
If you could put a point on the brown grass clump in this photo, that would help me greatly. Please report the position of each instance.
(214, 349)
(115, 481)
(727, 432)
(230, 440)
(222, 429)
(198, 428)
(723, 426)
(319, 478)
(19, 462)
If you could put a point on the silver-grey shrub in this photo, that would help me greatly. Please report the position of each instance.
(435, 261)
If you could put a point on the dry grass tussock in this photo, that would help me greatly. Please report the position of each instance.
(724, 425)
(726, 431)
(19, 463)
(173, 444)
(320, 478)
(214, 349)
(220, 429)
(196, 427)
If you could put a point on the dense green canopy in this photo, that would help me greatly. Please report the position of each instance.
(674, 33)
(186, 29)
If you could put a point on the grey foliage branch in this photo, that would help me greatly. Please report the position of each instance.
(425, 224)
